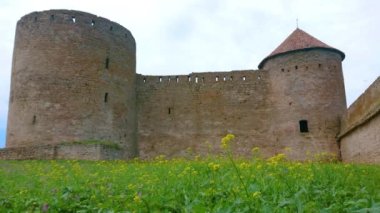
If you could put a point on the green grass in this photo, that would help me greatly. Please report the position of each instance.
(200, 185)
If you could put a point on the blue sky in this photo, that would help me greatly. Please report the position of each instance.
(179, 37)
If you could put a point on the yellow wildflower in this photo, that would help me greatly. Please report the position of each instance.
(137, 198)
(255, 149)
(214, 166)
(225, 143)
(256, 195)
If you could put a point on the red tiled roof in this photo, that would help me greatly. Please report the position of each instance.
(298, 40)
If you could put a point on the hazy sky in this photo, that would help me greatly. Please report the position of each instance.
(183, 36)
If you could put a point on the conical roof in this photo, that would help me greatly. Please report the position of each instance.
(299, 40)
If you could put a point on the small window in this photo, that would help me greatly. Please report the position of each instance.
(196, 79)
(224, 78)
(282, 70)
(92, 23)
(243, 78)
(51, 17)
(259, 77)
(319, 65)
(111, 28)
(189, 78)
(107, 63)
(169, 110)
(106, 97)
(177, 79)
(160, 79)
(217, 78)
(296, 67)
(203, 79)
(144, 80)
(34, 119)
(73, 19)
(231, 78)
(303, 126)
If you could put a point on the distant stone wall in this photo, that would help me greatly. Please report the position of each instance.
(180, 115)
(45, 152)
(360, 132)
(184, 115)
(62, 151)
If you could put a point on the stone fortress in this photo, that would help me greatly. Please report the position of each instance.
(75, 94)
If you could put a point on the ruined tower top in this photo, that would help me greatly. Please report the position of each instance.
(299, 40)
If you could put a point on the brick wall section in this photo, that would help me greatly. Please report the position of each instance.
(263, 111)
(360, 133)
(45, 152)
(62, 151)
(73, 79)
(193, 114)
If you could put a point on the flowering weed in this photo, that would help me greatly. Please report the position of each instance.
(217, 184)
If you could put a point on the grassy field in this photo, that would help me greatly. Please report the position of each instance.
(214, 184)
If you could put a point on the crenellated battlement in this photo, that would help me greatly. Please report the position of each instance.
(232, 77)
(74, 19)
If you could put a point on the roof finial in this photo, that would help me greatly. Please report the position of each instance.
(297, 22)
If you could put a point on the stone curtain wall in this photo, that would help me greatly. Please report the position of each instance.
(264, 110)
(360, 132)
(73, 79)
(190, 115)
(62, 151)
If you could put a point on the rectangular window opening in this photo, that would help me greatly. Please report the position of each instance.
(177, 79)
(303, 126)
(106, 97)
(160, 79)
(196, 79)
(92, 23)
(169, 110)
(217, 78)
(243, 78)
(107, 63)
(73, 19)
(34, 119)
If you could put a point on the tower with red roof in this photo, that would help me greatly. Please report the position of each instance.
(307, 94)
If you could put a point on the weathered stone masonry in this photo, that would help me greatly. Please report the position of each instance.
(74, 80)
(360, 133)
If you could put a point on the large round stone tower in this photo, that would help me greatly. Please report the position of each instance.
(73, 79)
(307, 94)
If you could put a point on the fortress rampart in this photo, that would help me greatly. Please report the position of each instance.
(360, 133)
(195, 113)
(75, 91)
(73, 79)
